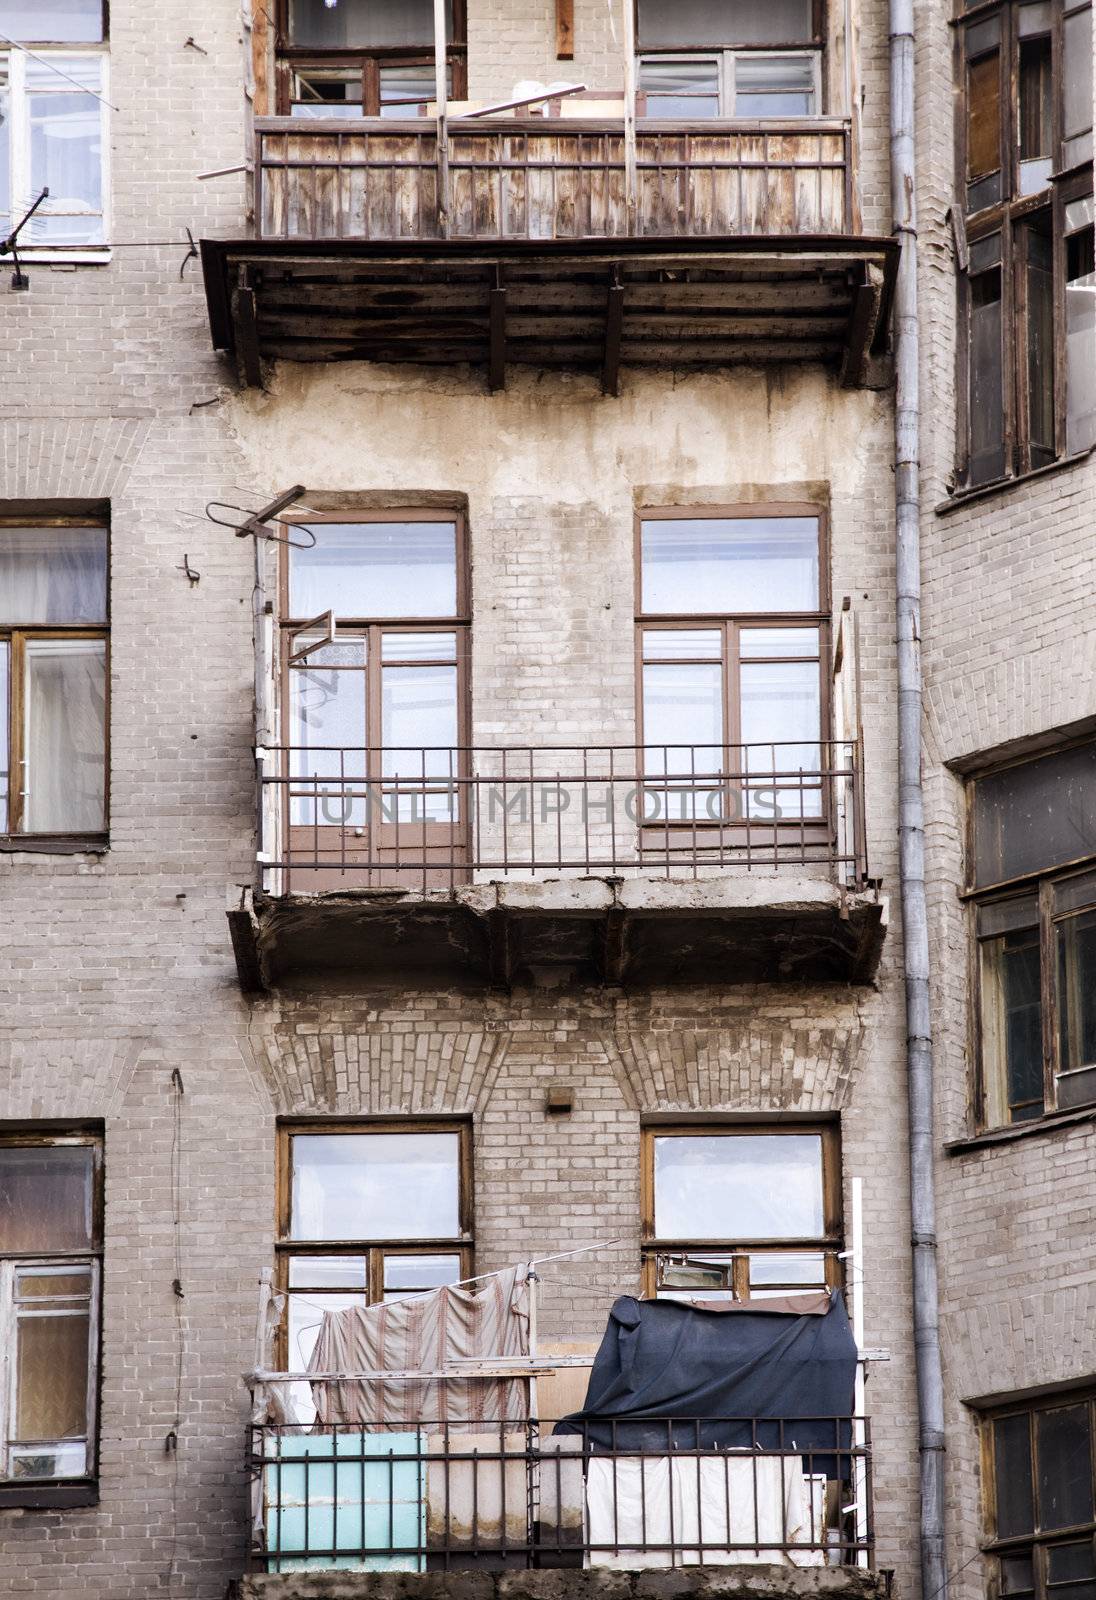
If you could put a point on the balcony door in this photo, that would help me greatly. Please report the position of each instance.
(374, 649)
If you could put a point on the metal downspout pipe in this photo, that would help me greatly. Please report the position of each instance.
(919, 1067)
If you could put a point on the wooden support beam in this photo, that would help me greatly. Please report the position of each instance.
(614, 328)
(245, 321)
(862, 325)
(614, 947)
(498, 948)
(496, 373)
(565, 30)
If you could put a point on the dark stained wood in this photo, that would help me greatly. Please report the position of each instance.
(496, 373)
(614, 327)
(247, 333)
(862, 324)
(565, 30)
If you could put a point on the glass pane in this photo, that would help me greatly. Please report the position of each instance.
(680, 88)
(53, 21)
(1040, 340)
(420, 1272)
(1035, 816)
(986, 388)
(682, 644)
(1036, 114)
(327, 709)
(761, 642)
(48, 1461)
(1012, 1470)
(1076, 939)
(808, 1271)
(738, 1186)
(1012, 1036)
(724, 22)
(1071, 1570)
(46, 1198)
(376, 569)
(683, 740)
(730, 564)
(405, 91)
(1077, 74)
(304, 1315)
(5, 734)
(51, 1376)
(695, 1276)
(65, 133)
(53, 1283)
(774, 86)
(1080, 340)
(419, 732)
(337, 93)
(328, 1272)
(375, 1186)
(65, 736)
(364, 22)
(983, 115)
(1017, 1575)
(1063, 1467)
(781, 714)
(5, 155)
(53, 575)
(418, 646)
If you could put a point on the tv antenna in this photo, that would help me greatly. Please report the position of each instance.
(10, 246)
(255, 522)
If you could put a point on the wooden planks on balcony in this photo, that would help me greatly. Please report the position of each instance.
(555, 179)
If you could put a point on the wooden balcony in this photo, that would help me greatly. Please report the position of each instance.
(552, 242)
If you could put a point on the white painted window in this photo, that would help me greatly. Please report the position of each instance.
(54, 135)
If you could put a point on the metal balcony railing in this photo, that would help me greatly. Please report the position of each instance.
(443, 1496)
(440, 816)
(552, 179)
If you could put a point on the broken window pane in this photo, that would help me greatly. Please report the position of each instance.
(54, 21)
(677, 88)
(376, 569)
(1080, 328)
(46, 1196)
(1035, 816)
(53, 575)
(986, 402)
(1012, 1038)
(724, 22)
(746, 1186)
(729, 564)
(1012, 1463)
(65, 736)
(774, 86)
(334, 92)
(1076, 939)
(1063, 1467)
(375, 1186)
(1039, 277)
(364, 23)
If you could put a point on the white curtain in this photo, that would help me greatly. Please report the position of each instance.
(65, 736)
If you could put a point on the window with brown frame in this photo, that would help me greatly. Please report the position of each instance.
(377, 695)
(371, 58)
(732, 637)
(367, 1212)
(1033, 884)
(740, 1211)
(53, 679)
(50, 1260)
(729, 58)
(1027, 288)
(1040, 1498)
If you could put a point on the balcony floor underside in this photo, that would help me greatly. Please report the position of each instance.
(632, 932)
(754, 1581)
(596, 306)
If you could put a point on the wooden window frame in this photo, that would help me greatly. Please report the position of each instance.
(1008, 216)
(16, 635)
(1043, 884)
(1039, 1541)
(830, 1243)
(374, 1251)
(291, 58)
(55, 1492)
(815, 46)
(730, 625)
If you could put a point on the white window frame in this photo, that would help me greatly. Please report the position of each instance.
(14, 60)
(9, 1376)
(725, 61)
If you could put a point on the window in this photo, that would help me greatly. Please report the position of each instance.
(712, 58)
(368, 1212)
(1032, 827)
(53, 129)
(372, 58)
(732, 637)
(740, 1212)
(50, 1249)
(1038, 1488)
(377, 705)
(53, 680)
(1026, 301)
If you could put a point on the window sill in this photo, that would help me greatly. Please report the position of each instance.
(965, 497)
(92, 255)
(49, 1496)
(89, 844)
(1020, 1130)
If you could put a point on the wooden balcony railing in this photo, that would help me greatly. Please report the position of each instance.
(555, 179)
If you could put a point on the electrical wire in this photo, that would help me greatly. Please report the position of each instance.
(45, 61)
